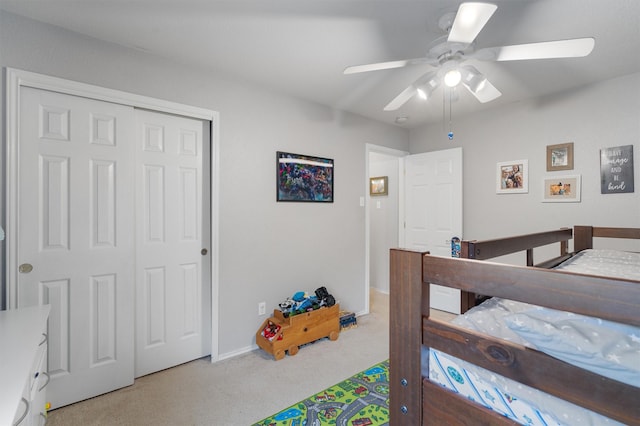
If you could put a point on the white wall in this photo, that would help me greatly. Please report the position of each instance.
(383, 216)
(268, 250)
(603, 115)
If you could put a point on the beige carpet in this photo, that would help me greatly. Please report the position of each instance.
(241, 390)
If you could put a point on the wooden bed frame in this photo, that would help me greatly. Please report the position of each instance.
(414, 400)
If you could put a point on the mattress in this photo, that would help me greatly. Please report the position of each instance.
(520, 403)
(607, 348)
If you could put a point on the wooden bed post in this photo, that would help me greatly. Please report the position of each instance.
(405, 337)
(582, 238)
(467, 299)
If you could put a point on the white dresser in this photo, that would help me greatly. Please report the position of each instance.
(23, 366)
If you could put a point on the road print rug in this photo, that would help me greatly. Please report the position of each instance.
(360, 400)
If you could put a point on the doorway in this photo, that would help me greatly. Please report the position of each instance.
(381, 216)
(428, 212)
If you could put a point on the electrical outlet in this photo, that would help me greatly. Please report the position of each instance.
(262, 308)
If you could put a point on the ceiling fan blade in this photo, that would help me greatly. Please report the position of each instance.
(425, 79)
(389, 65)
(487, 93)
(470, 20)
(402, 98)
(574, 48)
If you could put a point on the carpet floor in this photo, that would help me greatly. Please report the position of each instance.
(237, 391)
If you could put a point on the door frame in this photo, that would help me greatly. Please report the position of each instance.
(15, 79)
(369, 148)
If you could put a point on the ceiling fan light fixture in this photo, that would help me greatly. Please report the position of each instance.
(426, 90)
(473, 79)
(432, 84)
(452, 78)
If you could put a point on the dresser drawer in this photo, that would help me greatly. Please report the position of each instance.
(23, 365)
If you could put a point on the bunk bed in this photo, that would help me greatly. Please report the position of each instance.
(416, 339)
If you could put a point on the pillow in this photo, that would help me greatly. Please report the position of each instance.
(604, 347)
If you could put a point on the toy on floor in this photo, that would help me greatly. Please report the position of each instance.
(348, 320)
(270, 331)
(301, 302)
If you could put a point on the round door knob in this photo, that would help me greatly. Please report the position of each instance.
(25, 268)
(204, 252)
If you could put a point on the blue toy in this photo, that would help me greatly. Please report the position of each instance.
(301, 302)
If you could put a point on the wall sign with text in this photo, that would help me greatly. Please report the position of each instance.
(616, 170)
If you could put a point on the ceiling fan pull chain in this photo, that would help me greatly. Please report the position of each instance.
(444, 114)
(450, 134)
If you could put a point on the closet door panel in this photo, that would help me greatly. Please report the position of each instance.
(173, 312)
(76, 237)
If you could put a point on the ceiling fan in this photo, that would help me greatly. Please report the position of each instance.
(448, 54)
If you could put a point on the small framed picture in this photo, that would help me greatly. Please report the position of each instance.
(560, 157)
(562, 189)
(512, 177)
(378, 186)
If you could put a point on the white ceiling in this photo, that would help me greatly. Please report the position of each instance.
(301, 47)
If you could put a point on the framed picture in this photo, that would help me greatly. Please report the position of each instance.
(512, 177)
(560, 157)
(379, 185)
(304, 178)
(562, 189)
(616, 170)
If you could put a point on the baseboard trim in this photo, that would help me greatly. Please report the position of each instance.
(235, 353)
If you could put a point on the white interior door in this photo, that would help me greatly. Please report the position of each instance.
(76, 237)
(173, 311)
(433, 211)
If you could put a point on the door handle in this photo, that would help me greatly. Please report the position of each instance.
(204, 252)
(25, 268)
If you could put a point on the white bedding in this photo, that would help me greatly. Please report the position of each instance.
(607, 348)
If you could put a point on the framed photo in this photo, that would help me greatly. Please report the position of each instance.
(512, 177)
(379, 185)
(304, 178)
(560, 157)
(562, 189)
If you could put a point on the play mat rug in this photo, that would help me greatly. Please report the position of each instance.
(358, 401)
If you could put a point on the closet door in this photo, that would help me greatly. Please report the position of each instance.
(173, 308)
(76, 237)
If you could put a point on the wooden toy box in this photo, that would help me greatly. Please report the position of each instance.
(298, 330)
